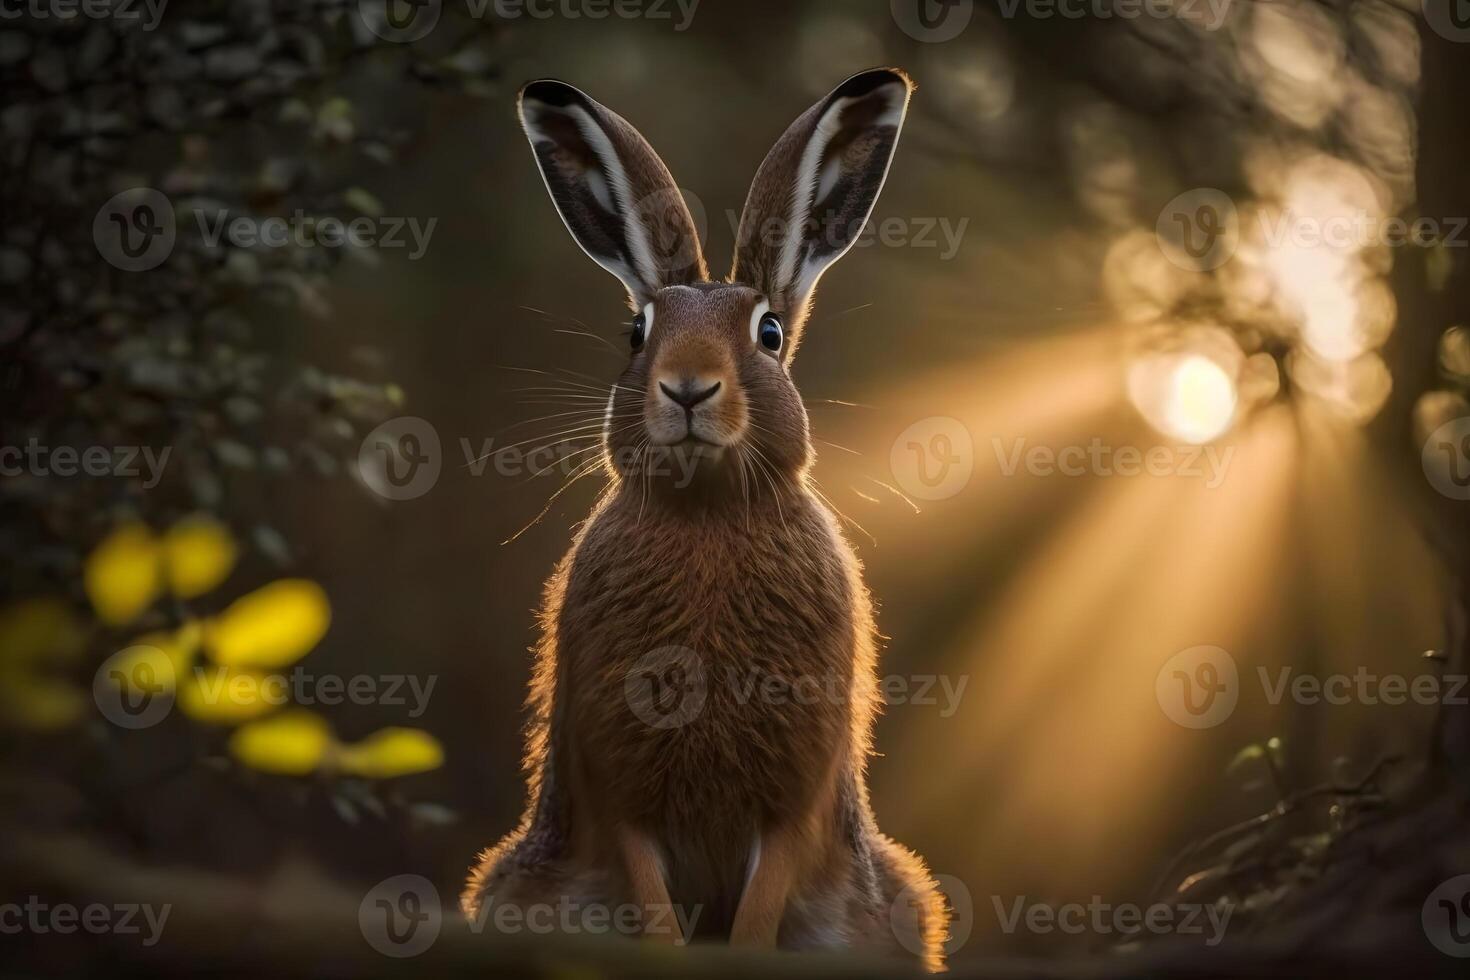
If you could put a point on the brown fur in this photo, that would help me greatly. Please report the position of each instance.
(753, 808)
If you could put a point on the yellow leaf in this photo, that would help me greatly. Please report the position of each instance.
(122, 574)
(292, 743)
(198, 554)
(392, 752)
(220, 696)
(1251, 753)
(272, 627)
(39, 704)
(34, 630)
(154, 663)
(190, 635)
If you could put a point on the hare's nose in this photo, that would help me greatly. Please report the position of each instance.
(689, 392)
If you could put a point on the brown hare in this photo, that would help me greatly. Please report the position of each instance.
(704, 689)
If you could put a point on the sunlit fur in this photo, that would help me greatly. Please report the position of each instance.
(747, 568)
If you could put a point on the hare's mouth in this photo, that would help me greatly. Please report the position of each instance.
(697, 450)
(679, 430)
(694, 412)
(691, 439)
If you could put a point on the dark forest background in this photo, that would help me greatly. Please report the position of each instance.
(1050, 144)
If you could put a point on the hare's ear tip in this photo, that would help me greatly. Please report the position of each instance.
(865, 82)
(548, 91)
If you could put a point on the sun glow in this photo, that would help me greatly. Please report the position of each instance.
(1201, 400)
(1186, 396)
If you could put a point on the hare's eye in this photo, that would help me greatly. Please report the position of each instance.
(770, 333)
(638, 336)
(765, 327)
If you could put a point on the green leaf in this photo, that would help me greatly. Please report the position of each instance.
(1251, 753)
(363, 201)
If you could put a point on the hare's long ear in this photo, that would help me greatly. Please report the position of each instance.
(816, 188)
(612, 191)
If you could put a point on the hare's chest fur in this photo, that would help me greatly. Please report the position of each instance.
(710, 671)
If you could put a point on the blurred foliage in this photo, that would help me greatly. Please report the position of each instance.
(1260, 867)
(245, 108)
(230, 109)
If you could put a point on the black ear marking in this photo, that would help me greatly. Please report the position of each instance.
(865, 82)
(611, 190)
(552, 92)
(816, 189)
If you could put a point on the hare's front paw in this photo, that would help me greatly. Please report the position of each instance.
(645, 869)
(762, 906)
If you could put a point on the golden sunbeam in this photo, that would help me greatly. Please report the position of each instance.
(1042, 394)
(1350, 527)
(1042, 670)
